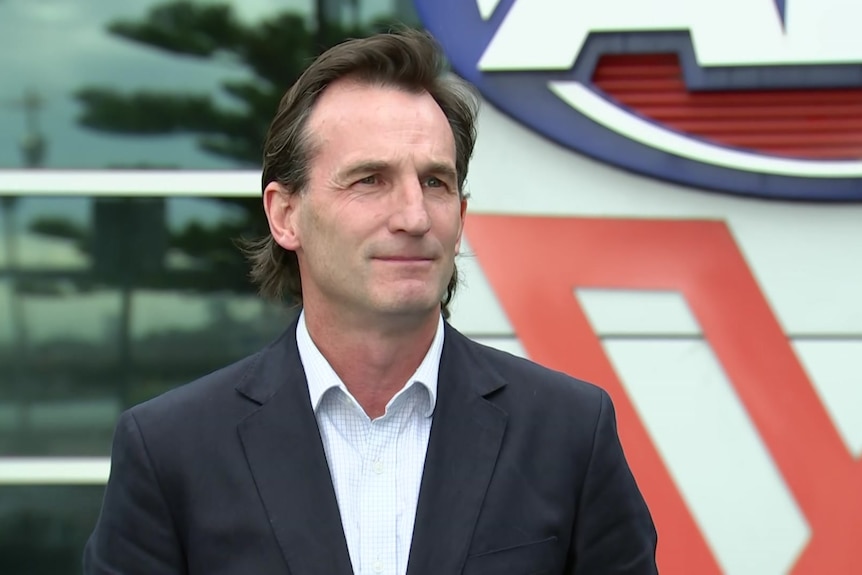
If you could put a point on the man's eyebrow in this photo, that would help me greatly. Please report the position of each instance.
(364, 167)
(442, 169)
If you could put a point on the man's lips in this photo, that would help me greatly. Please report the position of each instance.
(403, 258)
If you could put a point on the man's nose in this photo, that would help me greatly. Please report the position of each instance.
(410, 212)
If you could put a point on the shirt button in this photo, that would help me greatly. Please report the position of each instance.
(378, 469)
(378, 567)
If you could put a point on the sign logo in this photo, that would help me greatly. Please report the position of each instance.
(752, 97)
(771, 384)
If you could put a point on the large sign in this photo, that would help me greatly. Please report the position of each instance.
(700, 260)
(753, 97)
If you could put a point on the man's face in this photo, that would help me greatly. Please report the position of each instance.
(378, 227)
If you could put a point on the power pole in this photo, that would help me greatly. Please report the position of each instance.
(33, 144)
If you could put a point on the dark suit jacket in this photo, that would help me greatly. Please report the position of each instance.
(524, 474)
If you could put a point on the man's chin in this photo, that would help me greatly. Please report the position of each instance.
(410, 307)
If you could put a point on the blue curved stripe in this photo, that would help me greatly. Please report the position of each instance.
(524, 96)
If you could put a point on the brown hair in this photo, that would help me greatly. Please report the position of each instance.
(407, 59)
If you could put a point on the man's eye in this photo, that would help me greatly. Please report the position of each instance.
(368, 181)
(434, 182)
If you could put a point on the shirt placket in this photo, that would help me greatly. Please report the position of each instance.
(378, 500)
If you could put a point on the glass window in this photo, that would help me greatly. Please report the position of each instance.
(106, 301)
(113, 300)
(159, 84)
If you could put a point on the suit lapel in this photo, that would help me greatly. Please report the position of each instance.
(466, 436)
(285, 453)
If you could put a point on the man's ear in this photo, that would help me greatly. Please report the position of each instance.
(281, 207)
(461, 230)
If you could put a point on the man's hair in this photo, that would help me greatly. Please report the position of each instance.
(406, 59)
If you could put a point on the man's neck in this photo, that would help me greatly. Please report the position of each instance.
(373, 362)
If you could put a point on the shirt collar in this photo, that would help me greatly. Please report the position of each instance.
(321, 377)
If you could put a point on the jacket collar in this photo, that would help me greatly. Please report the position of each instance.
(285, 453)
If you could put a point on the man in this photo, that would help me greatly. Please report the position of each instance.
(371, 437)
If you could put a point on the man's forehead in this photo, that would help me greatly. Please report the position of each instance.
(350, 110)
(353, 99)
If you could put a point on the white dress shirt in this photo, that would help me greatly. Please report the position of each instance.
(376, 465)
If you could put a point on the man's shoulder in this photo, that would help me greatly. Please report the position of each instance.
(204, 394)
(211, 385)
(540, 401)
(214, 396)
(524, 377)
